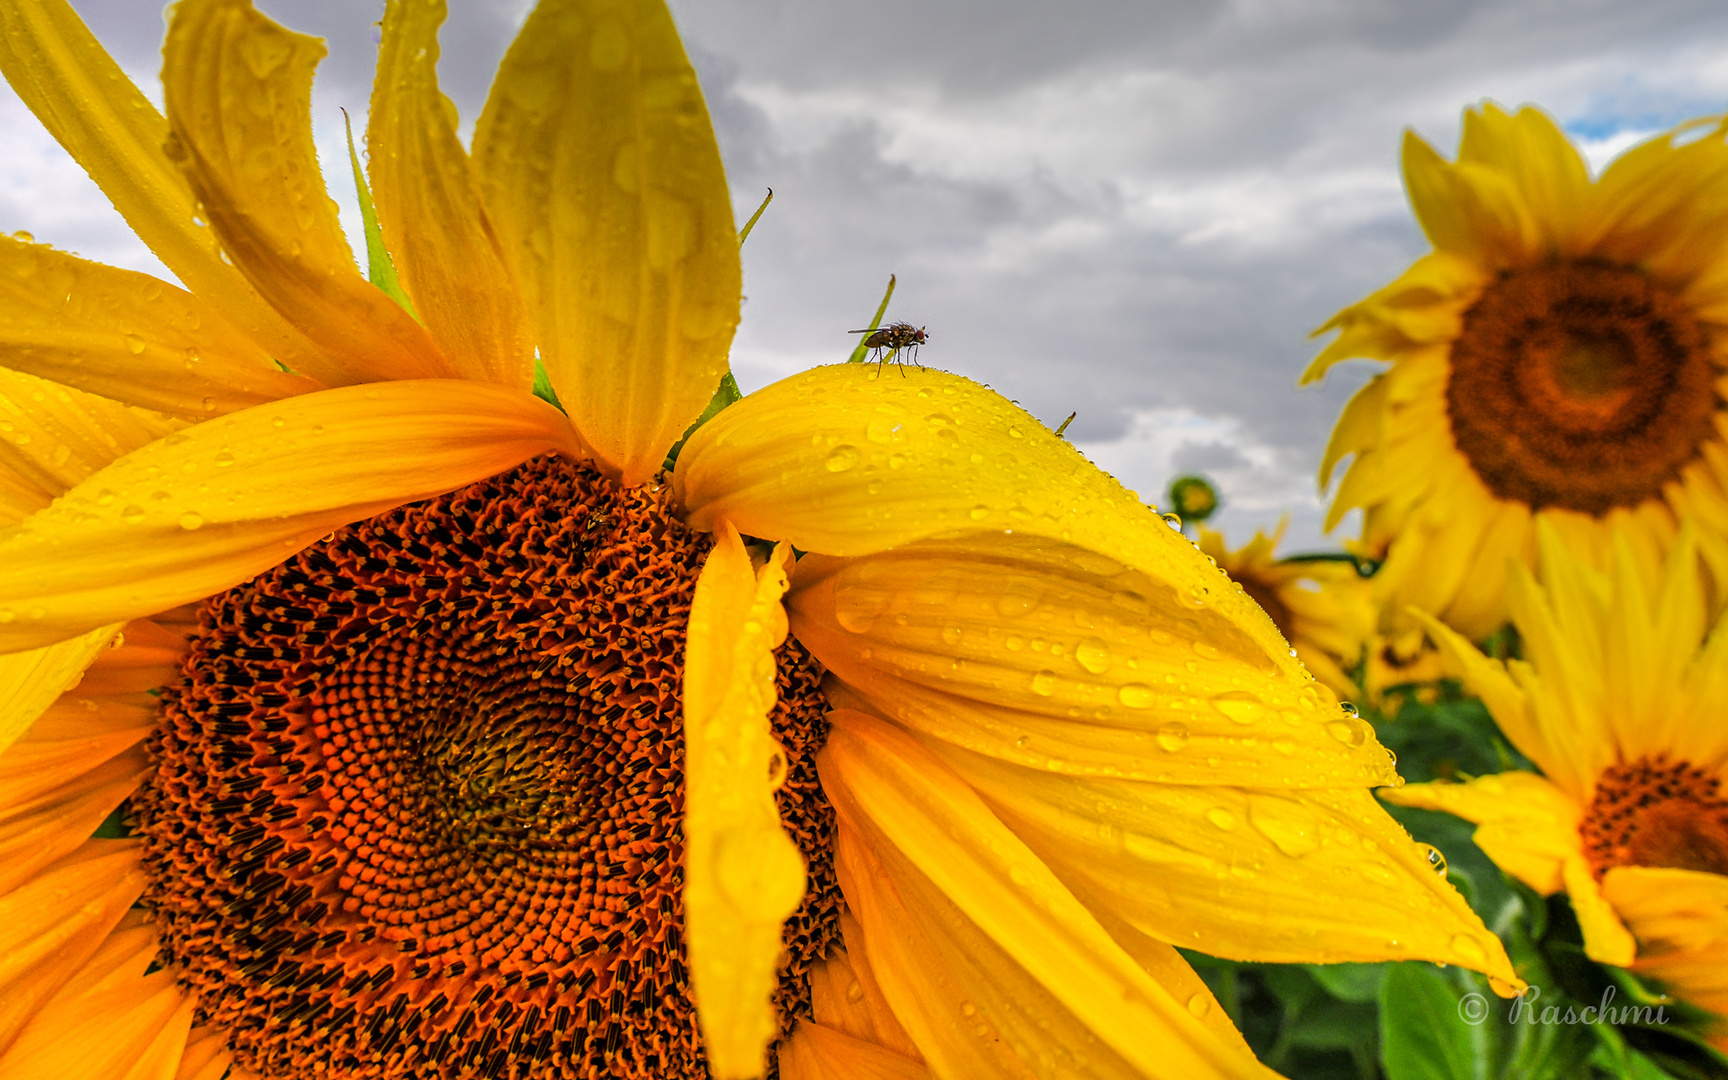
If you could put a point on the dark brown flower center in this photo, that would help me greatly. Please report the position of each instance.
(1654, 812)
(1580, 386)
(419, 802)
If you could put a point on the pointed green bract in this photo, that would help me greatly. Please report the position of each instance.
(379, 267)
(861, 351)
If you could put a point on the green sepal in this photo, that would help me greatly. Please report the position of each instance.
(860, 352)
(379, 267)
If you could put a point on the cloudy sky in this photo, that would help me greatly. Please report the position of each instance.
(1132, 209)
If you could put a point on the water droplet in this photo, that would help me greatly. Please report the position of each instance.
(1199, 1005)
(1173, 736)
(1044, 683)
(224, 459)
(1436, 861)
(1015, 433)
(842, 458)
(1348, 732)
(858, 609)
(968, 1009)
(1174, 521)
(104, 497)
(1240, 706)
(1284, 746)
(1221, 817)
(776, 769)
(191, 519)
(1349, 708)
(1292, 829)
(1093, 655)
(882, 430)
(1470, 949)
(132, 515)
(951, 635)
(855, 992)
(1135, 695)
(979, 513)
(277, 421)
(23, 236)
(134, 343)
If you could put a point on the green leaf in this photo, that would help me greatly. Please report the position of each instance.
(1422, 1034)
(1356, 983)
(861, 352)
(543, 388)
(379, 267)
(727, 393)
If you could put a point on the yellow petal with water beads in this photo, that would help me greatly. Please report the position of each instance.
(743, 874)
(238, 88)
(128, 337)
(600, 168)
(211, 506)
(31, 680)
(87, 103)
(428, 200)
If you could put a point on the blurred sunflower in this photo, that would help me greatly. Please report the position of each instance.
(1620, 705)
(452, 738)
(1557, 356)
(1322, 607)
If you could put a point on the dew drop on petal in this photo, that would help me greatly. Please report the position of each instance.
(1173, 736)
(1239, 705)
(1221, 817)
(842, 458)
(1199, 1005)
(1349, 733)
(1436, 861)
(1044, 683)
(1135, 695)
(191, 520)
(1093, 655)
(132, 515)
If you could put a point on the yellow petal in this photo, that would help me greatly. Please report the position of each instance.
(52, 925)
(1542, 164)
(1526, 825)
(89, 105)
(1468, 209)
(239, 94)
(53, 437)
(846, 997)
(32, 679)
(986, 958)
(843, 461)
(428, 202)
(1358, 428)
(213, 505)
(600, 169)
(111, 1020)
(1606, 939)
(816, 1052)
(1047, 655)
(1669, 909)
(128, 336)
(1314, 876)
(743, 874)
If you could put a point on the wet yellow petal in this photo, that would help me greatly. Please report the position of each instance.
(52, 437)
(215, 504)
(110, 1021)
(989, 962)
(845, 460)
(817, 1052)
(1051, 656)
(1313, 876)
(1606, 939)
(31, 680)
(743, 874)
(428, 202)
(52, 925)
(128, 336)
(1526, 825)
(239, 94)
(88, 104)
(600, 169)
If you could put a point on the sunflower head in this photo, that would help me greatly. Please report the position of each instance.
(1558, 355)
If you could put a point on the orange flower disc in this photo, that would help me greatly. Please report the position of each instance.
(1656, 812)
(1580, 386)
(419, 799)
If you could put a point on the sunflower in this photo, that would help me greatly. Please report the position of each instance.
(1322, 607)
(368, 716)
(1620, 705)
(1557, 356)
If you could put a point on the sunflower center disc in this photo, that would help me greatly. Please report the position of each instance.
(418, 802)
(1580, 386)
(1653, 812)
